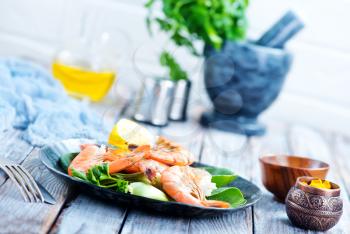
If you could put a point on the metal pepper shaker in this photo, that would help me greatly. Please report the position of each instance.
(154, 101)
(178, 110)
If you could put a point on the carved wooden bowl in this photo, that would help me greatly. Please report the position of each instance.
(313, 208)
(279, 172)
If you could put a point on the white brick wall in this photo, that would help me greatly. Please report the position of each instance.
(316, 91)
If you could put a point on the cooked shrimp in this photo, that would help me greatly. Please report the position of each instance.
(170, 153)
(189, 185)
(88, 157)
(128, 159)
(92, 155)
(151, 168)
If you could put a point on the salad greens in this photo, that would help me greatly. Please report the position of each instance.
(140, 186)
(99, 175)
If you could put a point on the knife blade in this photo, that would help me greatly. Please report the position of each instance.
(48, 198)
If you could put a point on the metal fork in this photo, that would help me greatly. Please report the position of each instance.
(23, 180)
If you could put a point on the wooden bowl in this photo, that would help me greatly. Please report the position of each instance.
(280, 172)
(314, 208)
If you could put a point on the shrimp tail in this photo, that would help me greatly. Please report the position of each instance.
(215, 203)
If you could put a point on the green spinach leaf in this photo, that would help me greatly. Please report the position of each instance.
(231, 195)
(220, 176)
(222, 180)
(66, 159)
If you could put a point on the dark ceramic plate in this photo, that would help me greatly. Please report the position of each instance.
(50, 155)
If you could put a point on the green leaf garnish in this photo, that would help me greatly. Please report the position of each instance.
(66, 159)
(99, 175)
(220, 176)
(222, 180)
(231, 195)
(78, 174)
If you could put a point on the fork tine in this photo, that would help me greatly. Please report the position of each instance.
(32, 183)
(14, 177)
(23, 180)
(26, 183)
(11, 176)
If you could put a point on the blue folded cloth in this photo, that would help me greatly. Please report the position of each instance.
(33, 101)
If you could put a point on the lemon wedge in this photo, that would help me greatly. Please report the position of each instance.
(320, 184)
(126, 132)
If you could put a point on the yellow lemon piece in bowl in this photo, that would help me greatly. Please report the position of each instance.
(320, 184)
(127, 133)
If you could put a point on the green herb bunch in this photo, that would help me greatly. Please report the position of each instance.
(210, 21)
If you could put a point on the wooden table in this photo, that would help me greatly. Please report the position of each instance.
(76, 212)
